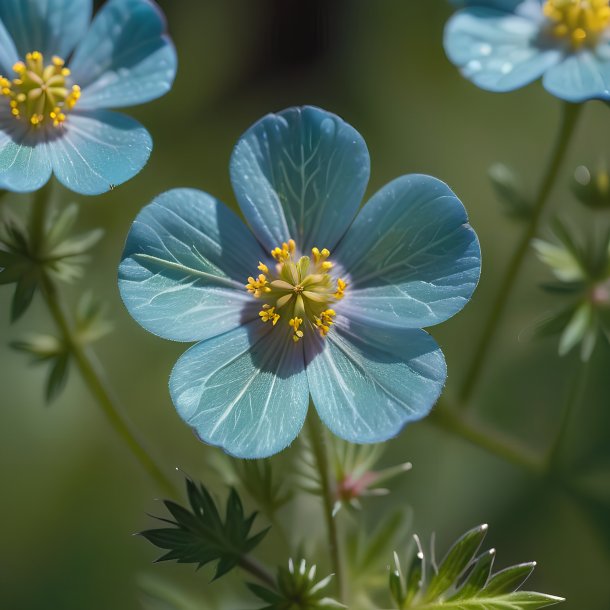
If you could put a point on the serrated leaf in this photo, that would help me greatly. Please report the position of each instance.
(200, 535)
(456, 562)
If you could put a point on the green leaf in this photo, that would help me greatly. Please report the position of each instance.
(58, 377)
(576, 328)
(201, 536)
(24, 294)
(509, 191)
(520, 600)
(456, 562)
(464, 581)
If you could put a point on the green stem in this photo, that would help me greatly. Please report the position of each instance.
(573, 400)
(251, 566)
(451, 420)
(569, 121)
(94, 379)
(88, 367)
(319, 440)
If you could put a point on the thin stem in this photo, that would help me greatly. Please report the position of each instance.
(451, 420)
(252, 566)
(569, 121)
(573, 400)
(318, 439)
(94, 379)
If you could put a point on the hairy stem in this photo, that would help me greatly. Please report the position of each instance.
(318, 439)
(84, 359)
(569, 121)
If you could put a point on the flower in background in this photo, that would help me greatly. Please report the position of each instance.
(317, 299)
(501, 45)
(54, 118)
(582, 268)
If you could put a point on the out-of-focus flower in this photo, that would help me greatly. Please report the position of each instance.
(583, 270)
(54, 118)
(501, 45)
(592, 187)
(315, 301)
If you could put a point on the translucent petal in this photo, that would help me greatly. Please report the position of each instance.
(98, 150)
(8, 52)
(581, 76)
(412, 259)
(126, 58)
(496, 50)
(52, 27)
(24, 164)
(184, 267)
(300, 174)
(245, 391)
(367, 383)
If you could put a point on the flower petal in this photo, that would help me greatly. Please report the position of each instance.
(184, 266)
(367, 383)
(496, 50)
(126, 58)
(300, 174)
(581, 76)
(245, 391)
(52, 27)
(8, 52)
(24, 164)
(412, 259)
(98, 150)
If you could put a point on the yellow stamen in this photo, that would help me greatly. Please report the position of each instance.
(581, 22)
(341, 286)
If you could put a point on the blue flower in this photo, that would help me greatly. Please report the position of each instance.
(54, 119)
(316, 300)
(501, 45)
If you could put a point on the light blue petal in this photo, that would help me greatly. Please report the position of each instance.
(502, 5)
(411, 258)
(52, 27)
(8, 52)
(126, 57)
(497, 51)
(24, 164)
(367, 383)
(581, 76)
(245, 391)
(300, 174)
(185, 265)
(98, 151)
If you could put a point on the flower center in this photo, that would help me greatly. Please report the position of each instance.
(298, 291)
(39, 94)
(581, 22)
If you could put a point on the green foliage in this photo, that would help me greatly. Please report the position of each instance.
(297, 589)
(257, 477)
(26, 256)
(592, 187)
(509, 191)
(201, 536)
(464, 581)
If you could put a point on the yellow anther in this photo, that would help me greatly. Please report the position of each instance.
(295, 324)
(262, 267)
(327, 265)
(341, 286)
(268, 313)
(40, 93)
(580, 21)
(257, 286)
(325, 253)
(325, 321)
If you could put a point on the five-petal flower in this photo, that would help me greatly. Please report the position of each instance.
(316, 300)
(501, 45)
(54, 119)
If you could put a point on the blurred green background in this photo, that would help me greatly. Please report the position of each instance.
(72, 495)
